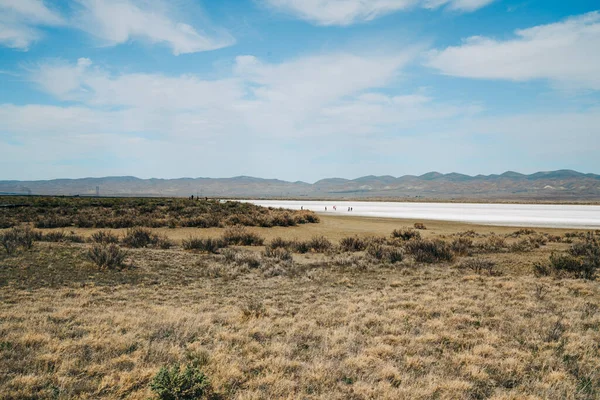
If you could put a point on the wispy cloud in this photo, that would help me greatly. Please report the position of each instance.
(347, 12)
(565, 53)
(118, 21)
(112, 22)
(20, 22)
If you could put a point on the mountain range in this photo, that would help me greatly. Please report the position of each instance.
(561, 185)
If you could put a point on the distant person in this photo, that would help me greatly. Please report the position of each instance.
(301, 208)
(325, 208)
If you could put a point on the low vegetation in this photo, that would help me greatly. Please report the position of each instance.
(306, 312)
(107, 256)
(173, 383)
(83, 212)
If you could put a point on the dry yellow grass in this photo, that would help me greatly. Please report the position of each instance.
(359, 331)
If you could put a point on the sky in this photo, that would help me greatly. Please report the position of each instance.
(297, 89)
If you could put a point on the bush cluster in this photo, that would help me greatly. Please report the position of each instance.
(406, 234)
(429, 251)
(17, 237)
(317, 244)
(173, 383)
(107, 256)
(582, 260)
(385, 253)
(61, 212)
(239, 235)
(353, 243)
(141, 237)
(208, 245)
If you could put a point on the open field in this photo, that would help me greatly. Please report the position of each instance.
(457, 313)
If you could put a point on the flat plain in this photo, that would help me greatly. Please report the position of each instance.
(343, 308)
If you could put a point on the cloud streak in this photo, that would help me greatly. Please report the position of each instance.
(564, 53)
(348, 12)
(119, 21)
(20, 21)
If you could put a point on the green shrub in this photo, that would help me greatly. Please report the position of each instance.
(175, 384)
(429, 251)
(353, 244)
(406, 234)
(208, 245)
(106, 256)
(239, 235)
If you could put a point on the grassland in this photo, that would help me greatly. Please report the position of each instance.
(297, 317)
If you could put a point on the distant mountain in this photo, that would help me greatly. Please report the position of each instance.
(562, 185)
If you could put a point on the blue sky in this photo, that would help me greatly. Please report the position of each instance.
(297, 89)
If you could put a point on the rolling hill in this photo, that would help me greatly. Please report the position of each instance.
(561, 185)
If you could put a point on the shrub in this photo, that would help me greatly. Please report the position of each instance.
(572, 265)
(239, 235)
(353, 244)
(163, 242)
(18, 237)
(278, 242)
(139, 237)
(299, 246)
(406, 234)
(9, 242)
(175, 384)
(319, 244)
(522, 246)
(208, 245)
(582, 260)
(522, 232)
(254, 309)
(479, 265)
(106, 256)
(462, 246)
(385, 253)
(494, 243)
(429, 251)
(420, 225)
(278, 253)
(105, 237)
(232, 256)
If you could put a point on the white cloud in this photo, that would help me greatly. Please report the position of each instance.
(19, 22)
(346, 12)
(249, 114)
(565, 53)
(118, 21)
(82, 82)
(274, 99)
